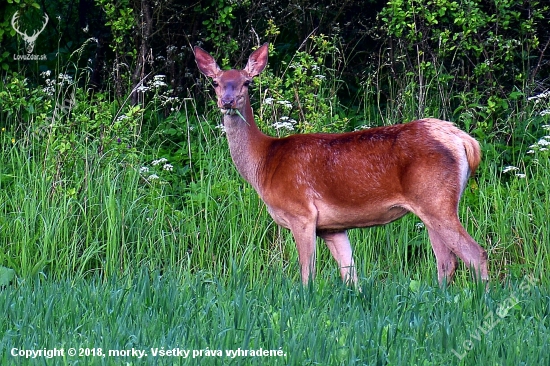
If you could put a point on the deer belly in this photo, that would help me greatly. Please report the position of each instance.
(340, 218)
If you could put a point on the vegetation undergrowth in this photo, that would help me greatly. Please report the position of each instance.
(85, 187)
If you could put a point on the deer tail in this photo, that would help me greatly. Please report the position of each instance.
(473, 151)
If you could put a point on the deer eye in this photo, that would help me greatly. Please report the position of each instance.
(247, 83)
(215, 83)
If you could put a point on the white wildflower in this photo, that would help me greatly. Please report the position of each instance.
(510, 169)
(159, 161)
(142, 89)
(143, 170)
(153, 177)
(169, 100)
(285, 125)
(168, 167)
(520, 175)
(50, 87)
(419, 225)
(285, 103)
(322, 77)
(290, 120)
(158, 81)
(158, 84)
(362, 127)
(543, 142)
(540, 96)
(48, 90)
(65, 77)
(268, 101)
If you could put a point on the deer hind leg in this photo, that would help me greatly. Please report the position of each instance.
(340, 248)
(446, 259)
(452, 235)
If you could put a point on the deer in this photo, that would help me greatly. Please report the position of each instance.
(322, 184)
(29, 40)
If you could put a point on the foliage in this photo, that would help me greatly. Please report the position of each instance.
(82, 181)
(121, 20)
(476, 57)
(218, 26)
(470, 57)
(305, 94)
(6, 276)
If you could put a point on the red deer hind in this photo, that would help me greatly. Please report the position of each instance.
(324, 184)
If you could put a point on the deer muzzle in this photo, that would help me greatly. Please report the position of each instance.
(228, 106)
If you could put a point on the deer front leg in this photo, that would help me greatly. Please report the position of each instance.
(304, 235)
(340, 248)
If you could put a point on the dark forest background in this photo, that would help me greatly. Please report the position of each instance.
(482, 50)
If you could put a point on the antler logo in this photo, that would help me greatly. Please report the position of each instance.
(29, 40)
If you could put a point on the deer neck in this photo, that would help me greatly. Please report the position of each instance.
(246, 143)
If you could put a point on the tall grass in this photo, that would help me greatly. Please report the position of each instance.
(116, 220)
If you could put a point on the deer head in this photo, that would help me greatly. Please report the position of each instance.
(29, 40)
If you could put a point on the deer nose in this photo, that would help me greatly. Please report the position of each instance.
(227, 102)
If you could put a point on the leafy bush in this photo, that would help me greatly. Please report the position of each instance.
(475, 57)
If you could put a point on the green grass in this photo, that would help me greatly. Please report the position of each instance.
(392, 321)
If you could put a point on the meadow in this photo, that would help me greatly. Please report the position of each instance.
(126, 233)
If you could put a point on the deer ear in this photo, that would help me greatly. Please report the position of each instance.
(206, 63)
(257, 61)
